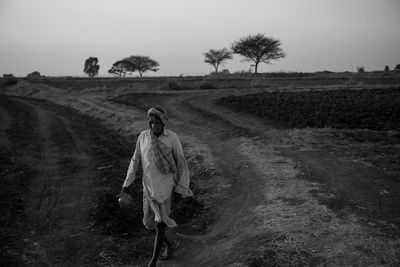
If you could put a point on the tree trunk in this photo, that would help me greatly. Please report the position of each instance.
(255, 67)
(216, 67)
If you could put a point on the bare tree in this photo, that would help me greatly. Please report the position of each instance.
(216, 57)
(91, 66)
(258, 48)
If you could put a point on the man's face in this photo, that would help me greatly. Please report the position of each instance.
(155, 124)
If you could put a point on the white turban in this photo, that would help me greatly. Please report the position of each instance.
(162, 115)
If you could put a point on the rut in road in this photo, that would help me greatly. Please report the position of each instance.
(59, 196)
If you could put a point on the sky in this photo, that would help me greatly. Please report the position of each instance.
(55, 37)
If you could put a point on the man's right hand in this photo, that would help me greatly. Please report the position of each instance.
(124, 199)
(123, 190)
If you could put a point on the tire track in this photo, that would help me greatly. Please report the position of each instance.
(57, 200)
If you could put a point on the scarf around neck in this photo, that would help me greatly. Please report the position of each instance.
(162, 156)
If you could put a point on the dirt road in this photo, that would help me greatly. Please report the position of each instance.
(261, 205)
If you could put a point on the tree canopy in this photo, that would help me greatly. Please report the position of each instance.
(258, 48)
(121, 68)
(91, 66)
(140, 64)
(216, 57)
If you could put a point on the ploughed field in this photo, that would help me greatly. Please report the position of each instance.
(376, 109)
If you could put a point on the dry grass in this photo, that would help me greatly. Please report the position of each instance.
(309, 230)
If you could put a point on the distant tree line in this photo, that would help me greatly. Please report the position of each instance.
(361, 69)
(255, 49)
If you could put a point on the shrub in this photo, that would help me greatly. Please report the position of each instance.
(360, 69)
(172, 85)
(203, 85)
(34, 75)
(8, 80)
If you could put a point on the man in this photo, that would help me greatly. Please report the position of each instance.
(164, 171)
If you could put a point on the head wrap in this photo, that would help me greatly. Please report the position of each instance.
(159, 113)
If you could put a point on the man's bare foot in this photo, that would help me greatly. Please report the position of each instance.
(167, 254)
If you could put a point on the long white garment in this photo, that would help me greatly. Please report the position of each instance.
(158, 186)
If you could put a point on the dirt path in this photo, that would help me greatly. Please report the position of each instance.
(238, 182)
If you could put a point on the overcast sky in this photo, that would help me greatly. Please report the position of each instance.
(55, 37)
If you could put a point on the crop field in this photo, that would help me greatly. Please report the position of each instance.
(377, 109)
(287, 169)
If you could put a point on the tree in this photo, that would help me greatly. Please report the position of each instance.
(121, 68)
(140, 64)
(360, 69)
(258, 48)
(91, 66)
(217, 57)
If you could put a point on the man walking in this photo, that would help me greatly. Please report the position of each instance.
(165, 171)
